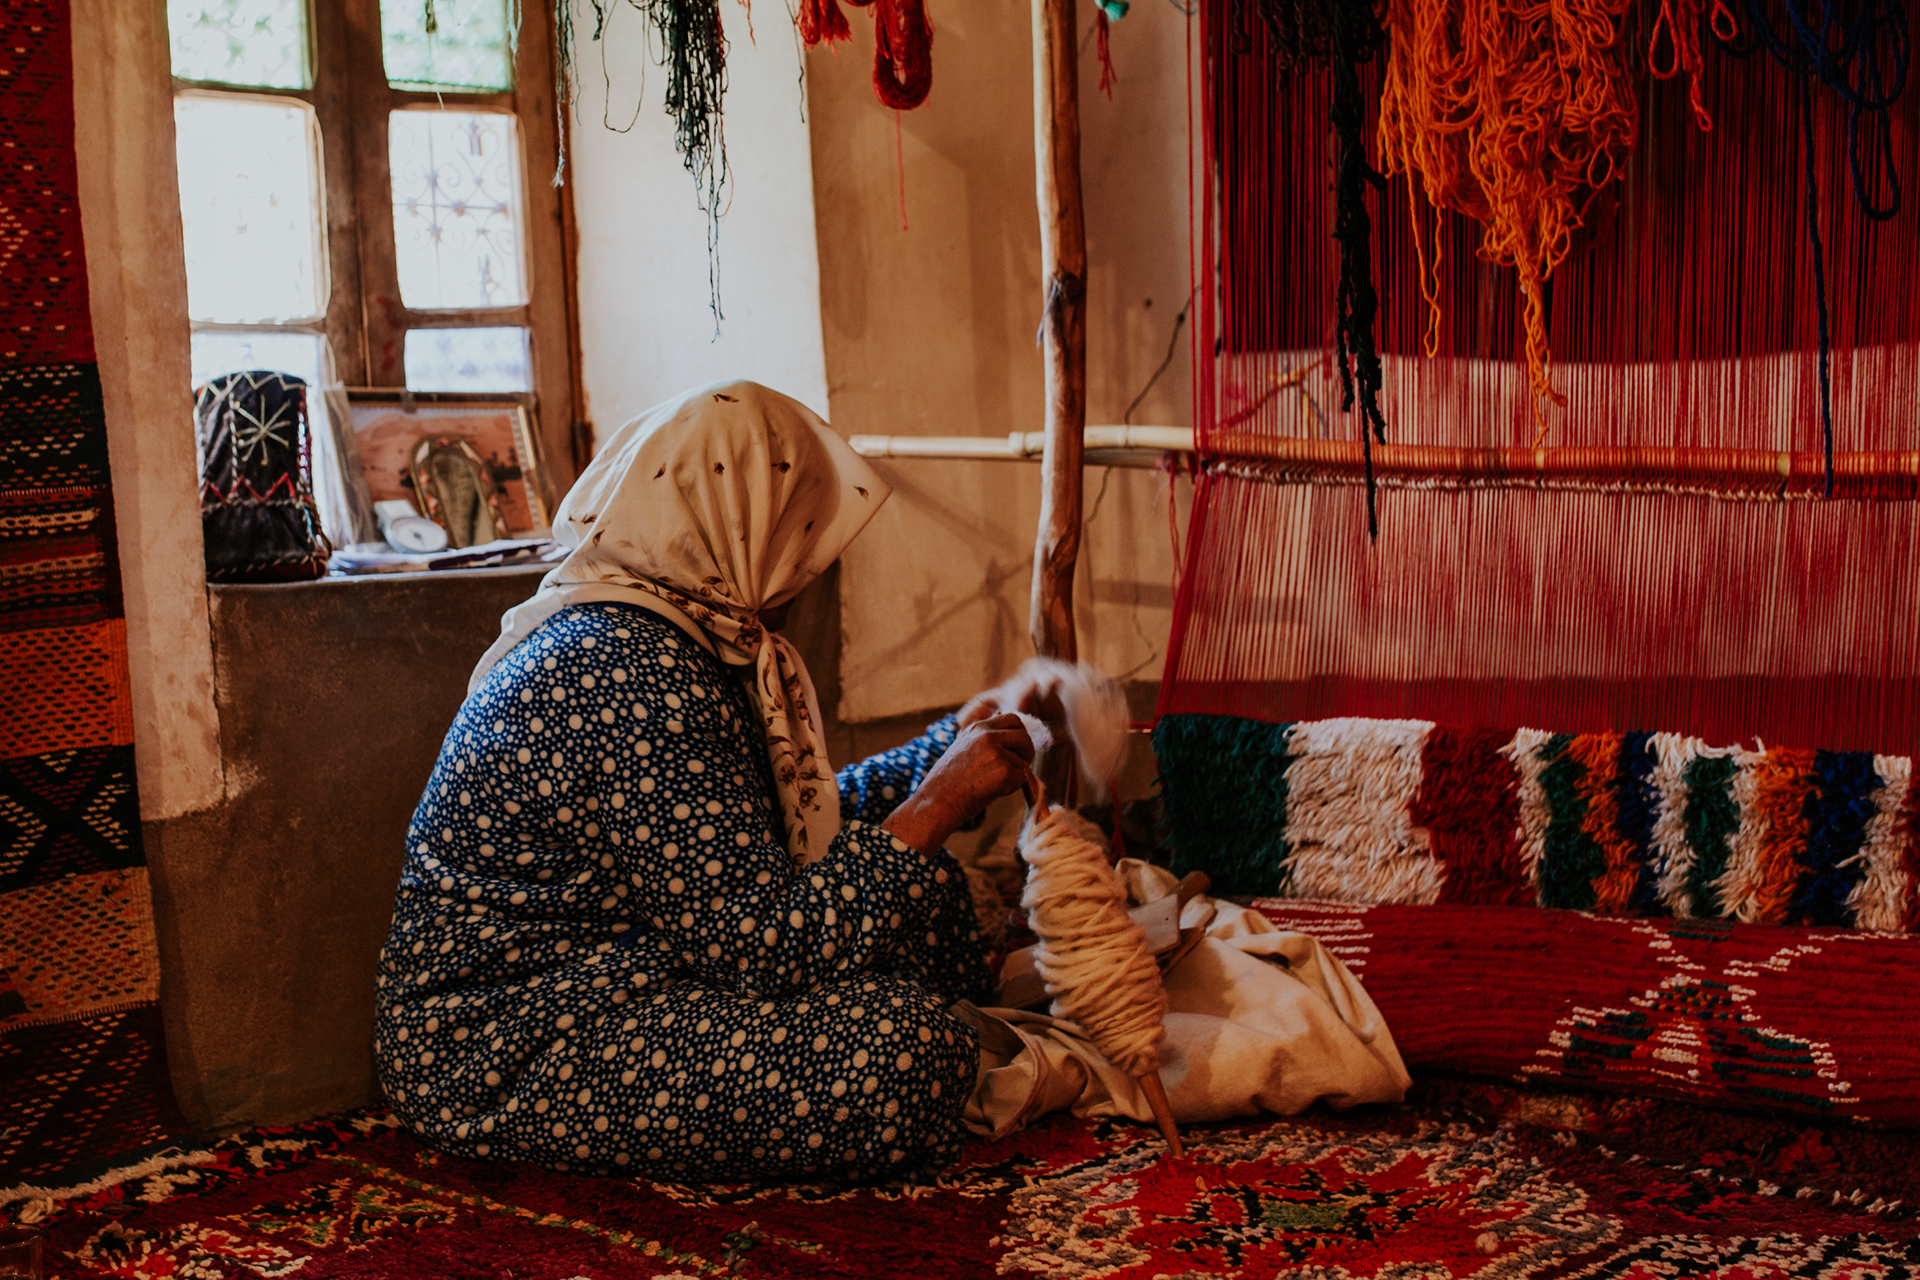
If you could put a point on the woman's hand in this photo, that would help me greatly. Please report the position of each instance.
(990, 758)
(1034, 689)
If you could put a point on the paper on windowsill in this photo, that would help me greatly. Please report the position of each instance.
(378, 557)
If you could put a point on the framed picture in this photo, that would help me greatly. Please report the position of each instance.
(470, 461)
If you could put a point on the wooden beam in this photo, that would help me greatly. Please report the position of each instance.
(1063, 258)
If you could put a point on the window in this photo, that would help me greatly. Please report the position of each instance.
(364, 187)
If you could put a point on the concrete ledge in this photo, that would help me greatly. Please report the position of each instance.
(271, 906)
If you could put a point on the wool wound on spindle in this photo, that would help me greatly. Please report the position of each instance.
(1091, 954)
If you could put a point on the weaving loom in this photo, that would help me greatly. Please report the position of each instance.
(1664, 558)
(1676, 548)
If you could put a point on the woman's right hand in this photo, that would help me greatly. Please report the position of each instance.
(1034, 689)
(990, 758)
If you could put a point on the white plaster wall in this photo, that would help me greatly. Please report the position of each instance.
(930, 331)
(646, 331)
(137, 281)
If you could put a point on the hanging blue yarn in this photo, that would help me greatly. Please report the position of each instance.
(1838, 808)
(1819, 278)
(1864, 59)
(1356, 37)
(1638, 801)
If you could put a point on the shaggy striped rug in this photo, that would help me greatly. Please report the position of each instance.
(1466, 1179)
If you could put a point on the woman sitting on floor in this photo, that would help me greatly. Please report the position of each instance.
(642, 927)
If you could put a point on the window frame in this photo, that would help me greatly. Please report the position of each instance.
(365, 321)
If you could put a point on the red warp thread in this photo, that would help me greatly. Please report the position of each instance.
(1684, 319)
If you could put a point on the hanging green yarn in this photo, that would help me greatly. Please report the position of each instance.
(689, 42)
(1298, 31)
(1712, 818)
(1571, 861)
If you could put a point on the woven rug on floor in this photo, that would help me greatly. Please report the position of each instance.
(1819, 1022)
(1466, 1179)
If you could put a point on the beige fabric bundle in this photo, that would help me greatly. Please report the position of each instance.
(1258, 1019)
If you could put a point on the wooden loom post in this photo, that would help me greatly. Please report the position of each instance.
(1063, 261)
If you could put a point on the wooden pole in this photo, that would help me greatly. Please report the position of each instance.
(1063, 259)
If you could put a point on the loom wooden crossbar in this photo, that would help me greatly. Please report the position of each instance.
(1890, 474)
(1754, 471)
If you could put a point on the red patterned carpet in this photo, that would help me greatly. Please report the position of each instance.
(1467, 1179)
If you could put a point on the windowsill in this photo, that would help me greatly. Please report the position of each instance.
(350, 581)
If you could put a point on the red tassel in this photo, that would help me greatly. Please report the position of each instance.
(903, 53)
(1108, 76)
(822, 22)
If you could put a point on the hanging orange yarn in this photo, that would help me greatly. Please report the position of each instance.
(1509, 112)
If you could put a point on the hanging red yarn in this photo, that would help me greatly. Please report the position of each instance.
(1677, 29)
(1108, 76)
(822, 22)
(902, 53)
(902, 44)
(1509, 113)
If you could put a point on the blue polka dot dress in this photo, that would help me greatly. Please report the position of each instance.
(602, 958)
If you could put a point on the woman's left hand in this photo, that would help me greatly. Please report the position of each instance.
(990, 758)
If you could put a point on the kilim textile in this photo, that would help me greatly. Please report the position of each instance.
(82, 1069)
(1466, 1179)
(1629, 824)
(1814, 1022)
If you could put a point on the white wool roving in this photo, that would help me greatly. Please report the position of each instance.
(1037, 731)
(1097, 715)
(1091, 954)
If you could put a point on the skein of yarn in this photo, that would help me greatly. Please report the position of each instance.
(1092, 955)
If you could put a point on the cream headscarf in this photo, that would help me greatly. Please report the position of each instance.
(707, 509)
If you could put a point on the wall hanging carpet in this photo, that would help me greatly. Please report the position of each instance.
(1468, 1179)
(82, 1072)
